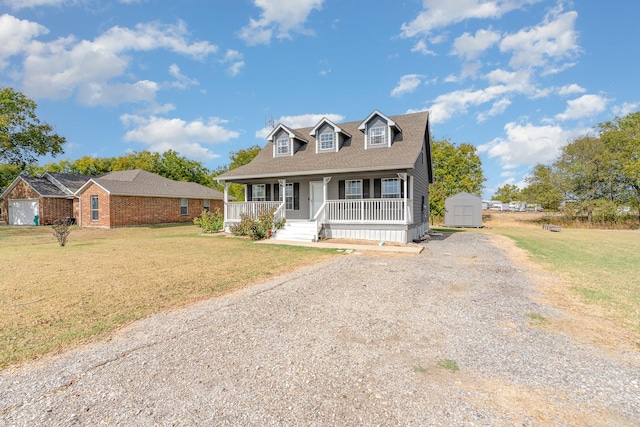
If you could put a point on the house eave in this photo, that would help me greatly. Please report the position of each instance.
(316, 172)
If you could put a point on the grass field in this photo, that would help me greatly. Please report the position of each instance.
(602, 266)
(54, 297)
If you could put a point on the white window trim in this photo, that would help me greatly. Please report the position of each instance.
(288, 198)
(95, 210)
(388, 195)
(372, 137)
(184, 203)
(279, 146)
(333, 141)
(347, 188)
(254, 193)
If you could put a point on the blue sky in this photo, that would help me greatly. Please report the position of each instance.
(518, 79)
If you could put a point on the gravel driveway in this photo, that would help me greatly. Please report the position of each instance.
(360, 340)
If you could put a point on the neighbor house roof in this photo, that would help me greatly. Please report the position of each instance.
(51, 184)
(142, 183)
(351, 157)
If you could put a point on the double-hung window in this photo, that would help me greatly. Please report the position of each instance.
(288, 197)
(377, 136)
(391, 188)
(184, 206)
(258, 193)
(282, 146)
(326, 141)
(95, 212)
(353, 189)
(206, 205)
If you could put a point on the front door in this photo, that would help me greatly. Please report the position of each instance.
(316, 198)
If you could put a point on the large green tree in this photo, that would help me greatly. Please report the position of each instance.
(507, 193)
(23, 137)
(456, 168)
(543, 188)
(238, 158)
(621, 137)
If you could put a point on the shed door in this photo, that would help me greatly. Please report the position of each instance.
(463, 215)
(23, 212)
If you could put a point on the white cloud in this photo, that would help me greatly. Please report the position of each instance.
(470, 46)
(497, 108)
(187, 138)
(407, 84)
(626, 108)
(585, 106)
(301, 121)
(182, 81)
(441, 13)
(281, 17)
(445, 106)
(16, 35)
(544, 45)
(27, 4)
(529, 144)
(234, 60)
(421, 47)
(571, 89)
(91, 69)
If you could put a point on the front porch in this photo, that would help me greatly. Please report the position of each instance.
(371, 219)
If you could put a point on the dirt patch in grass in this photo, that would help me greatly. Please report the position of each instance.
(585, 323)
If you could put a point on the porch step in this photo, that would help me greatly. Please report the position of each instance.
(298, 231)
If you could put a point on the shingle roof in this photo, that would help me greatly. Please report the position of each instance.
(44, 187)
(70, 181)
(142, 183)
(352, 156)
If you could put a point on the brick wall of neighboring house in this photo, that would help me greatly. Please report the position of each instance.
(53, 209)
(134, 210)
(104, 217)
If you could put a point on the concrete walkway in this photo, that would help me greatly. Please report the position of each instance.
(410, 249)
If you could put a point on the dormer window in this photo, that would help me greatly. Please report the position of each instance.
(377, 136)
(327, 141)
(282, 146)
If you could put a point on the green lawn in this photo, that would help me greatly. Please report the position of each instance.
(602, 265)
(54, 297)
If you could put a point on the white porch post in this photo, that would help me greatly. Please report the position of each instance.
(283, 190)
(246, 192)
(325, 191)
(403, 177)
(225, 199)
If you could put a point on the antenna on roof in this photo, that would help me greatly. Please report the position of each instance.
(269, 122)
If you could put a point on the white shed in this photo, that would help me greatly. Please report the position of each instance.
(463, 210)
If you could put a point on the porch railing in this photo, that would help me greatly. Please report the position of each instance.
(369, 211)
(320, 218)
(234, 209)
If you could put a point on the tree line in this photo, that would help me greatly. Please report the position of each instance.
(24, 138)
(594, 177)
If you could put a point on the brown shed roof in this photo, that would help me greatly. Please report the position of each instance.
(351, 157)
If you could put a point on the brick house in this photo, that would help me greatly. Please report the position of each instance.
(137, 197)
(49, 197)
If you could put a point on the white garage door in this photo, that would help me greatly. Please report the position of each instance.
(22, 212)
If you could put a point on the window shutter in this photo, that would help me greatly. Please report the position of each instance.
(365, 189)
(377, 188)
(249, 193)
(296, 196)
(276, 192)
(341, 189)
(267, 192)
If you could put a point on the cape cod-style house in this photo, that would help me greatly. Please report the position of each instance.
(366, 179)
